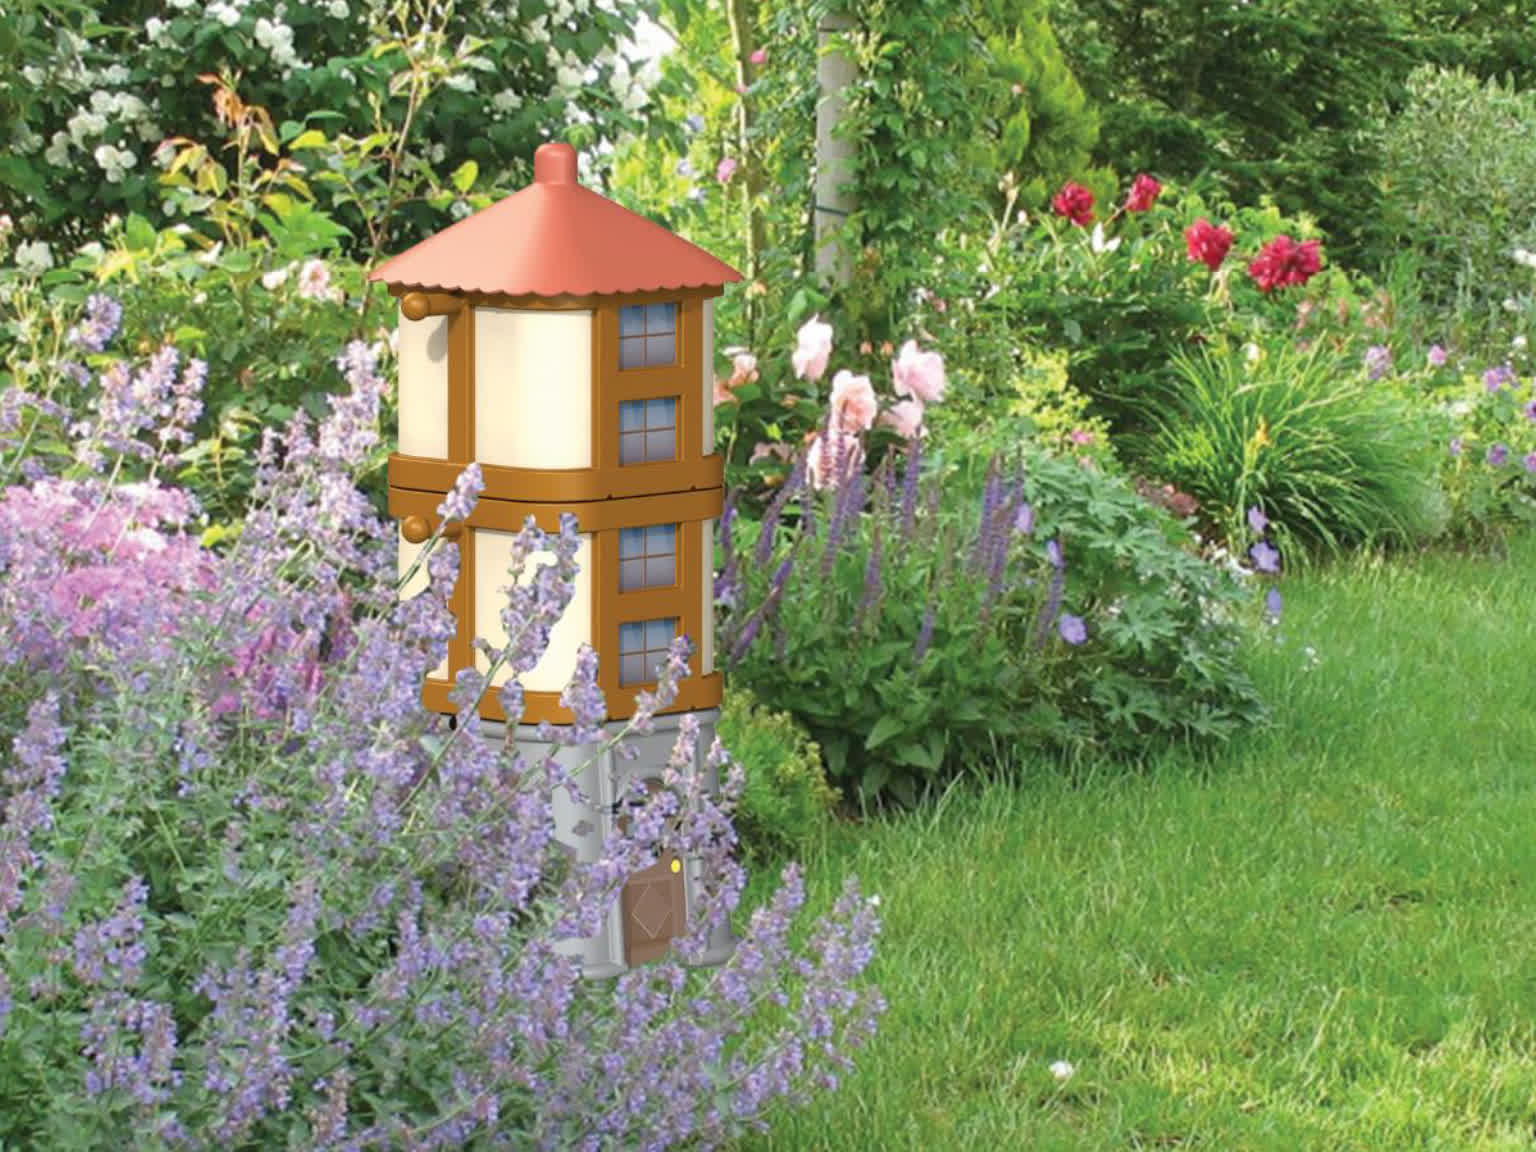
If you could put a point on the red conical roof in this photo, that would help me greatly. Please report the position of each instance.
(554, 238)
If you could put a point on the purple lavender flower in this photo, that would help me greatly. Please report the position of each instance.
(102, 317)
(1024, 522)
(1257, 520)
(1497, 377)
(1378, 361)
(1530, 411)
(1053, 553)
(1530, 462)
(1272, 602)
(1455, 445)
(1072, 628)
(1498, 455)
(460, 502)
(1437, 356)
(1265, 558)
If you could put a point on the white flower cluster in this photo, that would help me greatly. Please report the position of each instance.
(1524, 257)
(277, 38)
(92, 122)
(34, 258)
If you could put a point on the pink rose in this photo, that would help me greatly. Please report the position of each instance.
(853, 402)
(905, 418)
(762, 450)
(743, 369)
(841, 448)
(723, 394)
(813, 349)
(758, 57)
(725, 169)
(919, 374)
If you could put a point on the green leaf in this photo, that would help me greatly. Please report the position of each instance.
(313, 138)
(465, 174)
(138, 232)
(885, 728)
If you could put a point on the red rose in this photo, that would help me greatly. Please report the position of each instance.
(1283, 261)
(1207, 243)
(1075, 203)
(1143, 195)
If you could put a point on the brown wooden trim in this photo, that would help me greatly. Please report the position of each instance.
(681, 379)
(610, 607)
(561, 485)
(596, 517)
(420, 305)
(449, 302)
(693, 694)
(461, 388)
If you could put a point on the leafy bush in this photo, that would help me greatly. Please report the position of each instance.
(786, 800)
(482, 84)
(252, 894)
(1459, 181)
(1331, 456)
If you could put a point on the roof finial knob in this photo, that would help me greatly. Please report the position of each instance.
(554, 163)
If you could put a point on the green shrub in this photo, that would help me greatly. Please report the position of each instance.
(787, 799)
(1459, 180)
(1331, 457)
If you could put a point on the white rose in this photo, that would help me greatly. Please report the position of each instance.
(338, 9)
(34, 258)
(57, 153)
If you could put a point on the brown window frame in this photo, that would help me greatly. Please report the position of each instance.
(612, 607)
(682, 380)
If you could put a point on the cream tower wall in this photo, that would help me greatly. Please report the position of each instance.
(493, 556)
(533, 388)
(424, 387)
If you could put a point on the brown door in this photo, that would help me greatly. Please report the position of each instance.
(653, 905)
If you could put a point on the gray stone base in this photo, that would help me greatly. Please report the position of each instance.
(604, 781)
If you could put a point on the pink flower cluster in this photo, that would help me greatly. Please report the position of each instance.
(837, 453)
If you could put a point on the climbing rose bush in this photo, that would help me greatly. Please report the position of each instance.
(1075, 203)
(252, 895)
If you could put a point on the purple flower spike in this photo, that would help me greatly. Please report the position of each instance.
(1272, 602)
(1265, 558)
(1025, 520)
(1530, 462)
(1072, 628)
(1496, 378)
(1257, 520)
(1437, 356)
(1530, 411)
(1455, 445)
(1498, 455)
(1378, 361)
(1053, 550)
(466, 490)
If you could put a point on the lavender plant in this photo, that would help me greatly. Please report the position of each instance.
(880, 630)
(252, 896)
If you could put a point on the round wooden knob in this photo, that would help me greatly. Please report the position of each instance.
(415, 529)
(414, 305)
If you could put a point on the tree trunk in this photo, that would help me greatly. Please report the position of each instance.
(835, 73)
(742, 15)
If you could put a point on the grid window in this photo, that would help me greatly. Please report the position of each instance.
(647, 335)
(642, 647)
(647, 430)
(647, 557)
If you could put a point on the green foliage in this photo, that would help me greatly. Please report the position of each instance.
(1163, 661)
(1459, 188)
(1332, 458)
(787, 800)
(1487, 449)
(479, 82)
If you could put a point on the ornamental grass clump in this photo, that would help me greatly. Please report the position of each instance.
(253, 896)
(1335, 458)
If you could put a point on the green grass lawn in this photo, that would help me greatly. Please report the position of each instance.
(1323, 938)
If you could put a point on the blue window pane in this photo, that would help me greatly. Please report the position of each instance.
(631, 575)
(661, 538)
(660, 349)
(660, 571)
(631, 415)
(632, 669)
(660, 445)
(659, 633)
(632, 320)
(632, 352)
(631, 638)
(632, 543)
(661, 413)
(660, 318)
